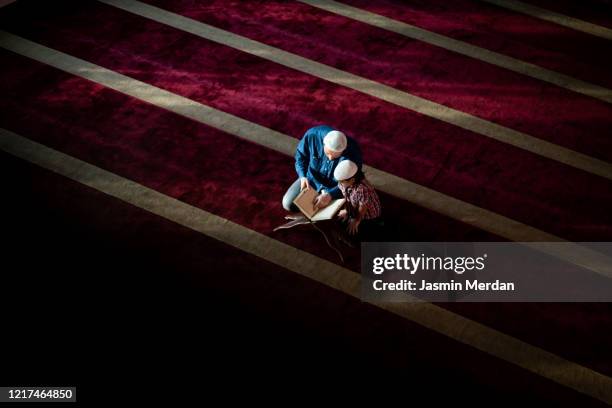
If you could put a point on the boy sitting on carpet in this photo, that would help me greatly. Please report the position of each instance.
(362, 212)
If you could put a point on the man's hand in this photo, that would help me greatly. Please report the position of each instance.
(304, 183)
(343, 214)
(353, 226)
(322, 200)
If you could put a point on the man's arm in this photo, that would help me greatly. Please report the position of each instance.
(302, 157)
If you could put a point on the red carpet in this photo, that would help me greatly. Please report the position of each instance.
(430, 72)
(146, 148)
(221, 318)
(517, 35)
(449, 159)
(598, 11)
(190, 161)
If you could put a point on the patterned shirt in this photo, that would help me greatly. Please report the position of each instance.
(361, 193)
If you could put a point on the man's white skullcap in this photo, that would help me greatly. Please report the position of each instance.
(335, 140)
(345, 170)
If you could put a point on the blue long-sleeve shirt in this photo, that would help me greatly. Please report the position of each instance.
(312, 163)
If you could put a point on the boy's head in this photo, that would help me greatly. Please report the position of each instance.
(346, 172)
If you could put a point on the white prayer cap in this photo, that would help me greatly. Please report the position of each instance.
(335, 140)
(345, 170)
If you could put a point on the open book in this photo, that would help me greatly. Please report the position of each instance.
(304, 201)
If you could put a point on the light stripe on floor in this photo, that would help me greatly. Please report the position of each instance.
(557, 18)
(396, 186)
(369, 87)
(433, 317)
(463, 48)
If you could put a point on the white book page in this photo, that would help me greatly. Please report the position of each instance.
(330, 211)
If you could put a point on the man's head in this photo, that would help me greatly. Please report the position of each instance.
(345, 172)
(334, 144)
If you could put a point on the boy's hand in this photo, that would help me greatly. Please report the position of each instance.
(343, 214)
(304, 183)
(322, 201)
(353, 226)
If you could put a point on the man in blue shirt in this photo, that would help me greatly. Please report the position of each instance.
(316, 157)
